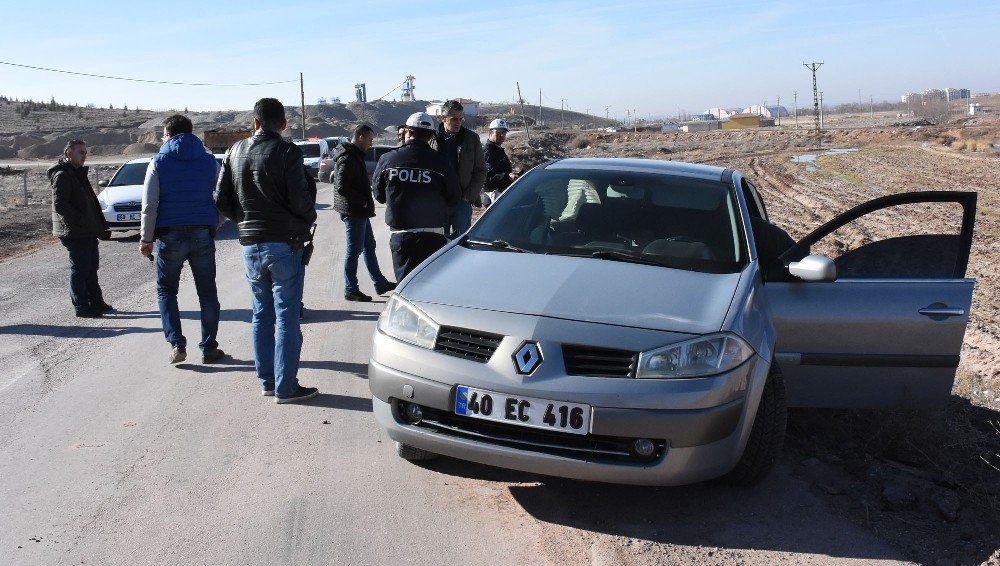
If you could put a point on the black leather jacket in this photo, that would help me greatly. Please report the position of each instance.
(498, 167)
(352, 193)
(264, 189)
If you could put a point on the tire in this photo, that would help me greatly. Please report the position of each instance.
(767, 435)
(412, 454)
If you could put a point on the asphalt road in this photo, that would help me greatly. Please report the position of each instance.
(109, 455)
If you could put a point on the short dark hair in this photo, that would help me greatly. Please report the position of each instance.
(422, 134)
(71, 144)
(362, 130)
(401, 127)
(270, 112)
(178, 124)
(452, 106)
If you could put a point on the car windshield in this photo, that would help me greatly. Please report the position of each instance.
(309, 149)
(130, 174)
(648, 218)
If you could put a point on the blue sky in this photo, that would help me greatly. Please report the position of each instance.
(654, 57)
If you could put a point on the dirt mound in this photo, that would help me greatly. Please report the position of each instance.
(43, 150)
(140, 148)
(325, 130)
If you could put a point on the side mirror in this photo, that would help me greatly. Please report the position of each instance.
(814, 268)
(103, 182)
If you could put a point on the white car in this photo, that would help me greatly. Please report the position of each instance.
(314, 150)
(121, 199)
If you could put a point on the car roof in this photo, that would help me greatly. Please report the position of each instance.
(138, 160)
(679, 168)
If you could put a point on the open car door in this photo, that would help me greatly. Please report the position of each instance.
(886, 327)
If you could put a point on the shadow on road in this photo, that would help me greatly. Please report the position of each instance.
(314, 316)
(344, 402)
(58, 331)
(358, 370)
(230, 364)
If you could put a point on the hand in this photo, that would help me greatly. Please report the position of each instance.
(146, 249)
(512, 176)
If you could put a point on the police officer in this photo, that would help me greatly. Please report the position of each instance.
(418, 187)
(499, 170)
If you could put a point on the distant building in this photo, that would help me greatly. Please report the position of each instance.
(957, 93)
(669, 128)
(912, 98)
(470, 107)
(722, 113)
(935, 94)
(703, 117)
(700, 126)
(741, 121)
(769, 111)
(977, 108)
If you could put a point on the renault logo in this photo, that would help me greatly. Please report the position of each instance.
(527, 357)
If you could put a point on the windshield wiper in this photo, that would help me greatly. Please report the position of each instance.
(622, 256)
(498, 244)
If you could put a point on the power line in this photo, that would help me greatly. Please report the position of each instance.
(138, 80)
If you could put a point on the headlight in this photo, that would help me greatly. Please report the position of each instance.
(405, 322)
(707, 355)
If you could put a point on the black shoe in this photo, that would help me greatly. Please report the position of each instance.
(302, 394)
(88, 312)
(103, 307)
(384, 288)
(212, 356)
(177, 355)
(267, 391)
(356, 296)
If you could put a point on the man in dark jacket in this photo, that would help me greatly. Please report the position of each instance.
(179, 218)
(78, 222)
(352, 198)
(464, 151)
(263, 188)
(499, 170)
(418, 187)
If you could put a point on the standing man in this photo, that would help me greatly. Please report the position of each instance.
(263, 188)
(179, 218)
(418, 187)
(401, 133)
(463, 150)
(499, 170)
(78, 222)
(353, 200)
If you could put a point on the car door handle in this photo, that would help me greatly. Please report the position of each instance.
(941, 311)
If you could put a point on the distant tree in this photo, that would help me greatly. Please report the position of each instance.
(79, 113)
(111, 106)
(53, 105)
(185, 109)
(934, 111)
(24, 110)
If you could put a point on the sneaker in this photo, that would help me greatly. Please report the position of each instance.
(303, 394)
(178, 355)
(356, 296)
(383, 288)
(267, 391)
(88, 312)
(211, 356)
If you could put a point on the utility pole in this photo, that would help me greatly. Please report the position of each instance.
(539, 107)
(871, 109)
(812, 67)
(562, 112)
(821, 109)
(302, 91)
(777, 112)
(795, 107)
(606, 108)
(527, 133)
(635, 121)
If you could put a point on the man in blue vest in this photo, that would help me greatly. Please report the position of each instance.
(179, 217)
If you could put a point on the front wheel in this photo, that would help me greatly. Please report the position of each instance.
(412, 454)
(767, 435)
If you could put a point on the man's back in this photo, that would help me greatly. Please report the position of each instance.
(263, 187)
(418, 185)
(186, 175)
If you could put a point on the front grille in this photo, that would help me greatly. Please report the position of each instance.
(128, 207)
(469, 344)
(599, 362)
(588, 448)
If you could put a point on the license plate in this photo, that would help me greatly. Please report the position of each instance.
(522, 411)
(128, 217)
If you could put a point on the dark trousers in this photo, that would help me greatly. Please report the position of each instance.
(409, 249)
(84, 259)
(196, 246)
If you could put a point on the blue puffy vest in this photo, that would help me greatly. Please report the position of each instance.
(187, 180)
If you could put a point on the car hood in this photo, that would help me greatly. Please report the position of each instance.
(122, 193)
(584, 289)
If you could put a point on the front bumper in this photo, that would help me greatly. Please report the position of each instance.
(115, 225)
(700, 424)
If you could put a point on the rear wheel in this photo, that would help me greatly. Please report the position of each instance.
(412, 454)
(767, 435)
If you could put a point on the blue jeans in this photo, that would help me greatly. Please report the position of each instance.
(459, 220)
(276, 275)
(84, 260)
(360, 241)
(197, 247)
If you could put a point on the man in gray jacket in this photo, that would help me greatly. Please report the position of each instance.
(463, 150)
(78, 222)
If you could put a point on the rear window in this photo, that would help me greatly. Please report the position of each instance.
(309, 149)
(669, 220)
(130, 174)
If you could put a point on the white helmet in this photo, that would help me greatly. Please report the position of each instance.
(499, 124)
(420, 120)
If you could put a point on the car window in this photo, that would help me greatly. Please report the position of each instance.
(130, 174)
(310, 149)
(677, 221)
(923, 243)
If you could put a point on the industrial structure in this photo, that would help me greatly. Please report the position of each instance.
(361, 92)
(408, 88)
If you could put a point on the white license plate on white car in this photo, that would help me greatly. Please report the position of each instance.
(522, 411)
(128, 217)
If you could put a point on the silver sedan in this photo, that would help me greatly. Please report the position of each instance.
(643, 322)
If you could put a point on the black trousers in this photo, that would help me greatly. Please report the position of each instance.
(84, 260)
(409, 249)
